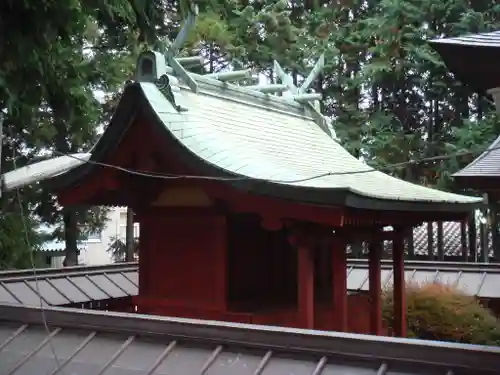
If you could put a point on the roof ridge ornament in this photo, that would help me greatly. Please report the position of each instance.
(300, 94)
(174, 48)
(164, 86)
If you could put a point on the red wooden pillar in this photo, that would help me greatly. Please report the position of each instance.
(305, 267)
(399, 294)
(339, 287)
(144, 270)
(374, 275)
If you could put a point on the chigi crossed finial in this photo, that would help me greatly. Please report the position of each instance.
(154, 67)
(300, 93)
(174, 48)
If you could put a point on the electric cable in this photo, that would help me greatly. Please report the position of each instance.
(33, 267)
(238, 178)
(369, 169)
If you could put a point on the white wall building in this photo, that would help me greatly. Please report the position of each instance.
(93, 251)
(95, 247)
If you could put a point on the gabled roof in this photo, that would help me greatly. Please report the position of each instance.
(472, 58)
(101, 342)
(266, 145)
(486, 165)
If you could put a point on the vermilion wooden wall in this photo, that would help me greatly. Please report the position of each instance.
(228, 268)
(183, 260)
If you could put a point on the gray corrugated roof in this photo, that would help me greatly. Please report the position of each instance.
(61, 287)
(475, 279)
(100, 342)
(485, 165)
(69, 286)
(472, 58)
(452, 243)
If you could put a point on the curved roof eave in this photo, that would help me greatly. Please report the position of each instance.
(472, 58)
(485, 165)
(250, 162)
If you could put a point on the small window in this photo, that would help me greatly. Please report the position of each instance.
(94, 236)
(123, 231)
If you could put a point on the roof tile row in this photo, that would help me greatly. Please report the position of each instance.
(64, 288)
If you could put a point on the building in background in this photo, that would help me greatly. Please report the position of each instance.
(93, 251)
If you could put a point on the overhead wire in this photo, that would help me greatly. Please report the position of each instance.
(390, 167)
(200, 177)
(33, 268)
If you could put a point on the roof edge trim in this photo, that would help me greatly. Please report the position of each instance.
(494, 146)
(349, 344)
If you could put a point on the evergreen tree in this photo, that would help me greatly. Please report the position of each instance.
(49, 69)
(389, 97)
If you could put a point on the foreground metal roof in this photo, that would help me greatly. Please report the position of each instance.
(70, 285)
(105, 343)
(59, 287)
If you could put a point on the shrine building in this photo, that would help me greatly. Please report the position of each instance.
(471, 59)
(246, 201)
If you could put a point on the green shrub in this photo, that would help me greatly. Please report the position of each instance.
(444, 313)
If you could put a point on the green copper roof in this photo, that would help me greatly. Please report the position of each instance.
(247, 137)
(225, 130)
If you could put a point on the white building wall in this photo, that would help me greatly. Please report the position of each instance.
(57, 262)
(94, 249)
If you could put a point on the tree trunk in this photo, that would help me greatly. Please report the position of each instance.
(129, 236)
(70, 237)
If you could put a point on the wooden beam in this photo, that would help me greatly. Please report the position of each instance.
(493, 216)
(430, 240)
(399, 292)
(269, 89)
(375, 285)
(307, 98)
(463, 241)
(190, 61)
(181, 72)
(234, 75)
(471, 223)
(339, 281)
(278, 208)
(440, 241)
(305, 281)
